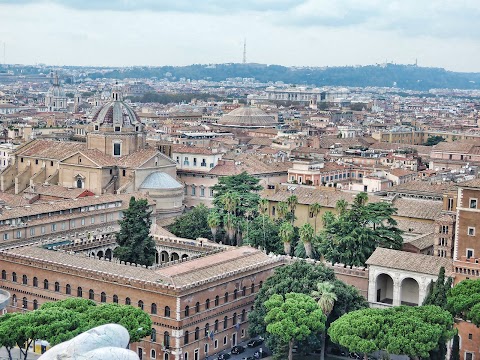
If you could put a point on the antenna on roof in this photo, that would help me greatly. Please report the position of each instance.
(244, 50)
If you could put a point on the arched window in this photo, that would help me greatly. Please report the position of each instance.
(185, 338)
(68, 289)
(24, 280)
(153, 335)
(166, 340)
(234, 319)
(197, 333)
(79, 292)
(128, 301)
(215, 326)
(197, 307)
(244, 291)
(140, 304)
(14, 277)
(91, 294)
(207, 329)
(226, 297)
(252, 288)
(57, 286)
(45, 284)
(153, 308)
(4, 275)
(235, 293)
(103, 297)
(115, 299)
(225, 322)
(79, 183)
(242, 318)
(217, 300)
(35, 304)
(187, 310)
(153, 354)
(24, 303)
(207, 304)
(14, 300)
(167, 311)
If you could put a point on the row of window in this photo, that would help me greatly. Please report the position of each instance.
(186, 162)
(208, 332)
(217, 299)
(193, 190)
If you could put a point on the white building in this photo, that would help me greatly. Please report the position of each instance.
(55, 99)
(6, 151)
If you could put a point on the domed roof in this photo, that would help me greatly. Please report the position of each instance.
(116, 112)
(160, 180)
(247, 116)
(56, 90)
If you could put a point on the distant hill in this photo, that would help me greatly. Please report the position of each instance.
(404, 76)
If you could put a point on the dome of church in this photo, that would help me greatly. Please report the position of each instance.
(247, 116)
(160, 180)
(116, 112)
(56, 90)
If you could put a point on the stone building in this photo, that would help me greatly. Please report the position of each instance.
(55, 99)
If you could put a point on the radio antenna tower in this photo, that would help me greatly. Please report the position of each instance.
(244, 51)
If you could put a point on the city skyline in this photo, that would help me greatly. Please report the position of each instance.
(286, 32)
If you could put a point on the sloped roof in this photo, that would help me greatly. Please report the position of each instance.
(50, 149)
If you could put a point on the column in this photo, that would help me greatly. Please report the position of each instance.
(422, 290)
(396, 292)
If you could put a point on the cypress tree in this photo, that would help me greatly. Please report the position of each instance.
(455, 353)
(134, 240)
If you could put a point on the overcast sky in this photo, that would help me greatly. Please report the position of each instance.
(443, 33)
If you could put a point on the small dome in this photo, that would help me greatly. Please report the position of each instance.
(247, 116)
(56, 90)
(160, 180)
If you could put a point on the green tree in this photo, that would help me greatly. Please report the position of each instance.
(292, 203)
(134, 240)
(214, 220)
(401, 330)
(351, 236)
(455, 352)
(230, 201)
(282, 210)
(293, 318)
(263, 232)
(307, 234)
(326, 298)
(463, 301)
(286, 233)
(8, 332)
(193, 224)
(301, 277)
(314, 209)
(434, 140)
(263, 211)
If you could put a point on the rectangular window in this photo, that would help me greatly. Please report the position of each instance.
(42, 230)
(64, 225)
(5, 236)
(72, 223)
(211, 192)
(54, 227)
(473, 203)
(92, 220)
(194, 161)
(116, 149)
(193, 190)
(32, 231)
(450, 204)
(468, 356)
(120, 215)
(471, 231)
(470, 336)
(82, 222)
(469, 253)
(216, 344)
(202, 192)
(224, 340)
(19, 234)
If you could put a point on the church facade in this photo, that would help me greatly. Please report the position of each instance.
(115, 159)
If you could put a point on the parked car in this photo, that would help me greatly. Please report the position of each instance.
(259, 355)
(224, 356)
(237, 349)
(254, 343)
(248, 358)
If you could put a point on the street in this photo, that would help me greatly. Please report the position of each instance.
(248, 351)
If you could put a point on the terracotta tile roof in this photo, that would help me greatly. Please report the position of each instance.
(98, 157)
(56, 191)
(252, 164)
(475, 183)
(463, 146)
(418, 208)
(138, 158)
(181, 149)
(422, 242)
(415, 227)
(395, 259)
(13, 200)
(50, 149)
(262, 141)
(420, 186)
(401, 172)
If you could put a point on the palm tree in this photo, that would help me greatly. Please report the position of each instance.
(292, 203)
(282, 210)
(341, 206)
(306, 236)
(263, 210)
(314, 209)
(230, 201)
(286, 233)
(214, 222)
(326, 298)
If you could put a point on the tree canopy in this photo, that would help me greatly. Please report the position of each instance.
(60, 321)
(134, 240)
(301, 277)
(353, 235)
(434, 140)
(293, 317)
(193, 224)
(401, 330)
(463, 301)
